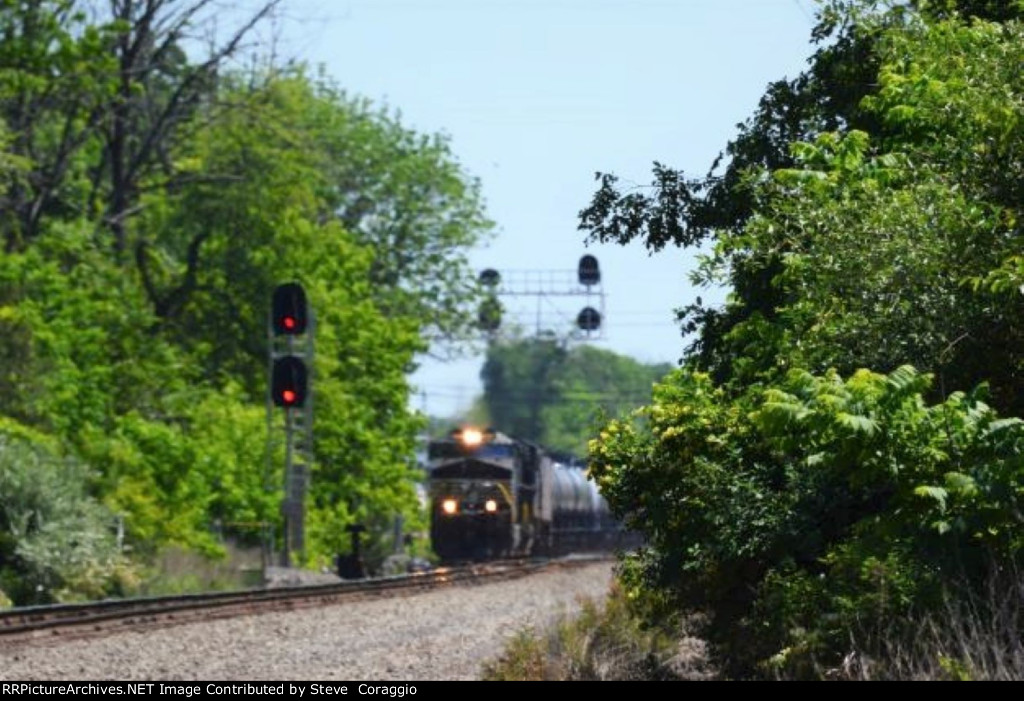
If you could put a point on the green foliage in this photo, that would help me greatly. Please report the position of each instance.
(149, 210)
(539, 390)
(868, 241)
(519, 382)
(794, 513)
(858, 203)
(169, 456)
(870, 217)
(56, 542)
(404, 196)
(57, 71)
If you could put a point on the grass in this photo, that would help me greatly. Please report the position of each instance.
(178, 571)
(603, 641)
(975, 636)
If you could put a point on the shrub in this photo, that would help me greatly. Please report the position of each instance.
(56, 542)
(794, 513)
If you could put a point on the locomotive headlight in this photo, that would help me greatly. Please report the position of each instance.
(449, 506)
(490, 506)
(471, 437)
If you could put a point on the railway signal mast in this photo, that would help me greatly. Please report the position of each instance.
(290, 329)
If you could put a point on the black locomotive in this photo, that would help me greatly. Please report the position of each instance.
(492, 496)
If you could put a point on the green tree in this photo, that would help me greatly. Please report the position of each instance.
(854, 39)
(520, 382)
(151, 204)
(789, 504)
(868, 241)
(97, 95)
(538, 389)
(405, 197)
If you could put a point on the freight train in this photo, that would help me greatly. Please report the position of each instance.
(492, 495)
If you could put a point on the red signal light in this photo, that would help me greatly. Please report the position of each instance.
(289, 382)
(289, 315)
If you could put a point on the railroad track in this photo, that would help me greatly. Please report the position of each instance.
(64, 621)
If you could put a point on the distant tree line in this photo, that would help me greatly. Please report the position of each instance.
(545, 390)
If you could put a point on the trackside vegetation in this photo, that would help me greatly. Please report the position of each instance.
(834, 479)
(153, 192)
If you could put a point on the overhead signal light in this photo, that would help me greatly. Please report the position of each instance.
(588, 271)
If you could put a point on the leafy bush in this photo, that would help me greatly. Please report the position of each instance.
(792, 514)
(56, 542)
(870, 217)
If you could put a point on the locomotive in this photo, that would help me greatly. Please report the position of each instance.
(492, 495)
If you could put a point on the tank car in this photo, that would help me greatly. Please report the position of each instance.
(492, 495)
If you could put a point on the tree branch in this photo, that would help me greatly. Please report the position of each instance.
(181, 93)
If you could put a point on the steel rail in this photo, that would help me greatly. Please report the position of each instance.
(61, 621)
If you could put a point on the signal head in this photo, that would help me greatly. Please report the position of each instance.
(288, 386)
(588, 271)
(289, 314)
(589, 319)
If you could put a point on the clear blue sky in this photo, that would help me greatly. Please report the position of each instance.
(537, 95)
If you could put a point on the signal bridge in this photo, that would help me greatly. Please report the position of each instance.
(583, 322)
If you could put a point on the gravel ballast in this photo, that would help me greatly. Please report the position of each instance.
(444, 634)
